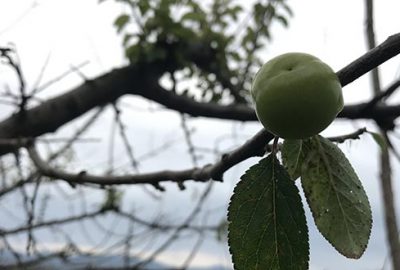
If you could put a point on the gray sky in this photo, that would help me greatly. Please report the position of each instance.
(73, 32)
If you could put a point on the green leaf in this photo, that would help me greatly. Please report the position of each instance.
(380, 140)
(235, 56)
(144, 6)
(127, 38)
(267, 225)
(133, 52)
(121, 21)
(282, 20)
(336, 197)
(234, 11)
(193, 16)
(292, 157)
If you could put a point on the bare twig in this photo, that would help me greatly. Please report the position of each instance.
(18, 19)
(392, 232)
(382, 95)
(66, 146)
(193, 252)
(351, 136)
(158, 225)
(188, 138)
(125, 140)
(15, 65)
(253, 147)
(176, 233)
(40, 88)
(40, 76)
(50, 223)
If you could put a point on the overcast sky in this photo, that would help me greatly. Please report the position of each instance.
(72, 32)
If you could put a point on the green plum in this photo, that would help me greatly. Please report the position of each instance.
(296, 95)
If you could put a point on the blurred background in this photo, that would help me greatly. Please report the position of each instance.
(57, 46)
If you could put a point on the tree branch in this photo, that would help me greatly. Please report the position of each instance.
(49, 223)
(352, 136)
(375, 57)
(143, 80)
(256, 146)
(381, 96)
(392, 232)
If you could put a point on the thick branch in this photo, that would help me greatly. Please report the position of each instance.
(370, 60)
(187, 105)
(55, 112)
(143, 80)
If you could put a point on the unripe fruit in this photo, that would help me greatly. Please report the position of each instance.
(296, 95)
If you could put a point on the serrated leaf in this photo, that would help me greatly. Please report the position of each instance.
(336, 197)
(121, 21)
(379, 139)
(267, 225)
(292, 157)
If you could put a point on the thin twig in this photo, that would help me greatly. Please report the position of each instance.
(188, 139)
(125, 140)
(381, 96)
(351, 136)
(253, 147)
(392, 232)
(50, 223)
(177, 232)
